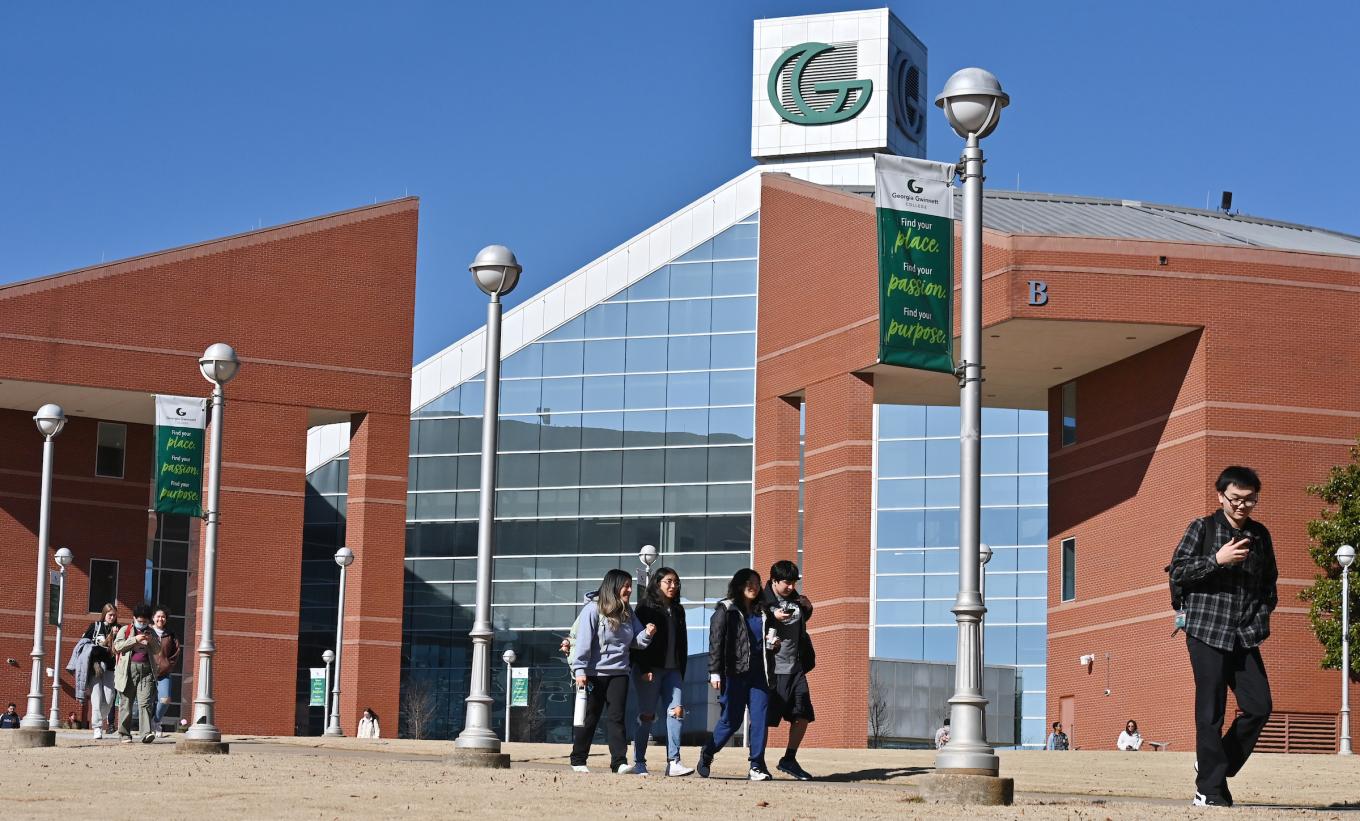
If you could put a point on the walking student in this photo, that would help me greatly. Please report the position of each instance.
(135, 674)
(737, 669)
(659, 670)
(100, 677)
(1225, 569)
(790, 699)
(165, 664)
(606, 631)
(368, 725)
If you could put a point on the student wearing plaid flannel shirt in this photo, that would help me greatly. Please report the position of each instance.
(1226, 565)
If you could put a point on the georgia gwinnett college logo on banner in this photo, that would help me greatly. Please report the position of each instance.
(841, 107)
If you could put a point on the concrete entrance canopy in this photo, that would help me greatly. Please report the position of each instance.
(1194, 340)
(320, 312)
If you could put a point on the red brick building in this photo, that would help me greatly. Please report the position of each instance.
(320, 312)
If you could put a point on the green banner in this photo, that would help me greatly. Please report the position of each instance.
(179, 455)
(519, 686)
(915, 206)
(318, 693)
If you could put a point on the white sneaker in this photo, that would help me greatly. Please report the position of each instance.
(675, 769)
(625, 769)
(639, 768)
(758, 774)
(579, 768)
(98, 733)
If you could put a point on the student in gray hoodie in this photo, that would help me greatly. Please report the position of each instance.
(606, 630)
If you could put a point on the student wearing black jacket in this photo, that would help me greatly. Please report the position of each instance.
(738, 670)
(659, 670)
(791, 659)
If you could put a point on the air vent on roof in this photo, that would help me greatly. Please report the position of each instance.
(840, 63)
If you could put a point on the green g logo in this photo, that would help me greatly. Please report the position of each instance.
(840, 109)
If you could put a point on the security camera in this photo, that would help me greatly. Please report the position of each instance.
(1107, 691)
(1087, 660)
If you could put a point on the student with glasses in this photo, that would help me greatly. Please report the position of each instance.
(1225, 563)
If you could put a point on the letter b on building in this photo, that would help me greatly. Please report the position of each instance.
(1038, 292)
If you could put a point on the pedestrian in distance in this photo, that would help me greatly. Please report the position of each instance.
(942, 735)
(659, 670)
(9, 720)
(1130, 739)
(738, 669)
(792, 658)
(1224, 574)
(165, 664)
(1057, 740)
(100, 677)
(136, 648)
(606, 632)
(368, 725)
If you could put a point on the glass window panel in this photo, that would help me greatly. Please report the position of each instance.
(512, 569)
(691, 499)
(467, 503)
(1000, 644)
(1032, 421)
(942, 492)
(736, 351)
(642, 500)
(691, 316)
(1003, 559)
(702, 251)
(602, 393)
(645, 354)
(516, 537)
(645, 391)
(686, 465)
(600, 536)
(729, 464)
(519, 433)
(942, 420)
(607, 320)
(1069, 413)
(655, 285)
(647, 318)
(1033, 490)
(604, 356)
(688, 353)
(446, 402)
(732, 387)
(513, 593)
(1033, 525)
(898, 642)
(643, 429)
(571, 329)
(734, 314)
(900, 587)
(942, 561)
(734, 277)
(901, 493)
(901, 420)
(516, 503)
(472, 398)
(469, 472)
(942, 528)
(724, 565)
(727, 425)
(738, 241)
(520, 396)
(902, 458)
(687, 427)
(563, 502)
(527, 361)
(939, 644)
(435, 505)
(998, 490)
(901, 561)
(642, 531)
(1031, 610)
(1000, 611)
(601, 467)
(998, 525)
(602, 430)
(436, 473)
(997, 421)
(559, 469)
(561, 395)
(438, 435)
(1031, 584)
(644, 467)
(898, 612)
(729, 533)
(469, 435)
(601, 501)
(729, 498)
(902, 528)
(1030, 645)
(942, 457)
(1033, 454)
(563, 358)
(1000, 584)
(1031, 558)
(691, 280)
(998, 455)
(559, 431)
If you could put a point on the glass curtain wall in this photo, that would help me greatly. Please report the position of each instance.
(169, 588)
(323, 533)
(917, 541)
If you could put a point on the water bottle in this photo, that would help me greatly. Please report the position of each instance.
(578, 715)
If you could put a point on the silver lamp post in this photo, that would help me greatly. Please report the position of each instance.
(647, 555)
(509, 658)
(219, 365)
(343, 557)
(984, 556)
(972, 100)
(327, 656)
(1345, 556)
(496, 272)
(50, 419)
(63, 558)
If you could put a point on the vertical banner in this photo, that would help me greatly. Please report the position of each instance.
(915, 204)
(179, 455)
(318, 692)
(53, 597)
(519, 686)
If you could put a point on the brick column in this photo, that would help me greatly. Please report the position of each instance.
(375, 529)
(775, 526)
(837, 497)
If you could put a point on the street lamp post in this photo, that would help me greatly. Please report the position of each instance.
(647, 555)
(984, 556)
(1345, 555)
(50, 419)
(509, 658)
(343, 557)
(327, 656)
(219, 365)
(972, 100)
(496, 272)
(63, 558)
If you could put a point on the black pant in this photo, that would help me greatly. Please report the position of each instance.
(607, 695)
(1220, 755)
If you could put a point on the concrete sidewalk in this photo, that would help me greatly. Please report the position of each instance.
(352, 778)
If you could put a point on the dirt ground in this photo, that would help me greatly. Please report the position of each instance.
(300, 778)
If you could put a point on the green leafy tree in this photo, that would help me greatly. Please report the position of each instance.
(1338, 525)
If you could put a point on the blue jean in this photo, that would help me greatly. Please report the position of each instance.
(162, 698)
(664, 688)
(737, 694)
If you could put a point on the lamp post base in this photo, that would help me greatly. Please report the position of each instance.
(193, 746)
(24, 738)
(955, 788)
(480, 759)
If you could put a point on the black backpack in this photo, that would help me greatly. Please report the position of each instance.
(1177, 590)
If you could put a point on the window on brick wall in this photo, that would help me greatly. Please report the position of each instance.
(1069, 569)
(109, 453)
(103, 583)
(1069, 414)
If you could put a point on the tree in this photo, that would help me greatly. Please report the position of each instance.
(417, 707)
(1333, 528)
(880, 713)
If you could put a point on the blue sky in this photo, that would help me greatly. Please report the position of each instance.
(562, 129)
